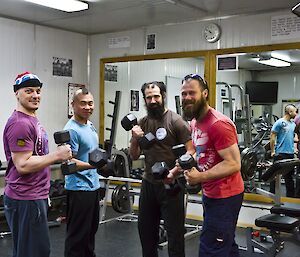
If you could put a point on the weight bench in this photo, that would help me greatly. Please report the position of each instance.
(287, 209)
(275, 222)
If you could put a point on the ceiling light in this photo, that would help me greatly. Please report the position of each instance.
(284, 56)
(273, 62)
(296, 9)
(63, 5)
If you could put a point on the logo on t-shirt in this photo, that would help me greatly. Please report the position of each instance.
(200, 138)
(41, 144)
(161, 133)
(20, 142)
(285, 126)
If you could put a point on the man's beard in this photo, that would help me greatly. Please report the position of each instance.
(155, 110)
(195, 111)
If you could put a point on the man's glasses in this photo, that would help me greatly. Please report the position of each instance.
(196, 77)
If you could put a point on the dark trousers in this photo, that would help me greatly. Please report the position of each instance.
(297, 189)
(288, 177)
(155, 203)
(27, 220)
(82, 223)
(217, 238)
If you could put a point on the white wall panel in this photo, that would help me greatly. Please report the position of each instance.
(26, 47)
(51, 43)
(17, 54)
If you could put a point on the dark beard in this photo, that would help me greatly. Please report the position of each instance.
(194, 112)
(155, 111)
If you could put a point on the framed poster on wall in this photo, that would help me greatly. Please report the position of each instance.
(62, 67)
(72, 88)
(134, 105)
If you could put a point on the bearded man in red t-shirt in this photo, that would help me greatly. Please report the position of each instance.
(218, 169)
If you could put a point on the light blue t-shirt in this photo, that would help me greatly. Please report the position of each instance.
(285, 136)
(84, 139)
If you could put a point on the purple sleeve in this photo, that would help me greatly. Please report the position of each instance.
(20, 137)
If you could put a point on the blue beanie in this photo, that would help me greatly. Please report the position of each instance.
(27, 79)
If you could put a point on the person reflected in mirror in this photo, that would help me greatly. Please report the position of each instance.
(282, 145)
(215, 141)
(297, 133)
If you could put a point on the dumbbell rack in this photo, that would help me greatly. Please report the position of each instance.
(112, 151)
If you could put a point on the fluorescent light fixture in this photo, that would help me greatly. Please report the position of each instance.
(273, 62)
(296, 9)
(63, 5)
(281, 56)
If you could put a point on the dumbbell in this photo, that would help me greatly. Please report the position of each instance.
(187, 162)
(179, 150)
(98, 158)
(128, 122)
(62, 138)
(160, 171)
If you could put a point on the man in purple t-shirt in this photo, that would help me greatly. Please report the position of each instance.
(27, 176)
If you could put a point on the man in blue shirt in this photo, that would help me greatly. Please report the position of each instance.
(282, 145)
(82, 186)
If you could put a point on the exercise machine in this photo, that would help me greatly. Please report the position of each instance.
(275, 222)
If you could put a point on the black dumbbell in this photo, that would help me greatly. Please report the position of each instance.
(61, 138)
(160, 170)
(187, 162)
(98, 158)
(128, 122)
(179, 150)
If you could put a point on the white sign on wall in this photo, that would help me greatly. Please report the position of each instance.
(119, 42)
(285, 27)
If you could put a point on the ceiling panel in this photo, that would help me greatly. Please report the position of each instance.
(117, 15)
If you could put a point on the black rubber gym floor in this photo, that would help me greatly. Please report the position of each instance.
(120, 239)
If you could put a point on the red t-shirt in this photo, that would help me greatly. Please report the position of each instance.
(215, 132)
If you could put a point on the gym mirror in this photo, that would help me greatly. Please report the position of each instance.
(128, 77)
(269, 87)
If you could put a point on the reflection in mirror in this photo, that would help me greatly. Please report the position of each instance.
(270, 86)
(128, 77)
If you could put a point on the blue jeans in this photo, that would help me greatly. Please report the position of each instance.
(217, 238)
(27, 220)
